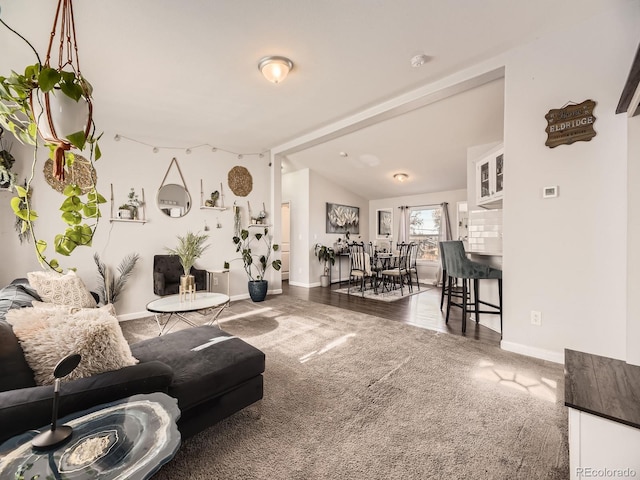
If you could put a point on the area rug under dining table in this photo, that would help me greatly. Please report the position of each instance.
(353, 396)
(383, 296)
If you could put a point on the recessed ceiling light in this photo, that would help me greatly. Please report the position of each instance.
(343, 154)
(401, 177)
(419, 60)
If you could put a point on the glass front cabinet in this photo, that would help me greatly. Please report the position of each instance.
(490, 178)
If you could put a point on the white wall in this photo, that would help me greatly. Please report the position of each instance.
(633, 241)
(309, 193)
(426, 273)
(321, 191)
(295, 189)
(566, 257)
(126, 164)
(16, 256)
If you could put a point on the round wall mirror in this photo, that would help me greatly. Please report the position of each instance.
(173, 200)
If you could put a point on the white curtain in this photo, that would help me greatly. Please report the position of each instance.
(403, 225)
(445, 235)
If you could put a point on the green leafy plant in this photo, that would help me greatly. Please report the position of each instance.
(326, 255)
(190, 248)
(18, 92)
(256, 269)
(133, 203)
(109, 288)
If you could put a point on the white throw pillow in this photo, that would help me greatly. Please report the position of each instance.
(47, 336)
(109, 307)
(67, 289)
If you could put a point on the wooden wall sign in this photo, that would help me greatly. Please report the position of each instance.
(573, 123)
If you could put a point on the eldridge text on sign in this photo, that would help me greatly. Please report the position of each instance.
(573, 123)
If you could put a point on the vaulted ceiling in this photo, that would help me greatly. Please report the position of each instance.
(185, 73)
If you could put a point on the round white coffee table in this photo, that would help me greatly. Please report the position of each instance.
(206, 303)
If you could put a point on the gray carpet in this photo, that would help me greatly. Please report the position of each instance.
(352, 396)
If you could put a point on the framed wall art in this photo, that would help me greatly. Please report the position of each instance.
(384, 222)
(342, 218)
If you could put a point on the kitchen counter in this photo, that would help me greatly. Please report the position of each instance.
(602, 386)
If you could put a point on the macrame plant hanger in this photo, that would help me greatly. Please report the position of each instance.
(67, 47)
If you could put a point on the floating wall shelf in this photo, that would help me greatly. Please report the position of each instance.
(141, 209)
(255, 225)
(220, 209)
(204, 207)
(127, 220)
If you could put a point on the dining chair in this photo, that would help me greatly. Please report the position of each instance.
(359, 266)
(376, 266)
(460, 267)
(413, 263)
(399, 271)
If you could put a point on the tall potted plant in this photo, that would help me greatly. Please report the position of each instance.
(256, 264)
(327, 256)
(190, 247)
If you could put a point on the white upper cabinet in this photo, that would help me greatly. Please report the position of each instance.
(490, 178)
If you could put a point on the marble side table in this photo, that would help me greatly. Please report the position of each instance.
(126, 439)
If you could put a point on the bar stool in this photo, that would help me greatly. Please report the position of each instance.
(459, 266)
(446, 286)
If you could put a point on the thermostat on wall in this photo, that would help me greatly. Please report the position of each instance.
(550, 192)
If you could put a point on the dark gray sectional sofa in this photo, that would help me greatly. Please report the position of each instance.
(209, 383)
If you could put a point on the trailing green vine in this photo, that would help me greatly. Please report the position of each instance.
(80, 213)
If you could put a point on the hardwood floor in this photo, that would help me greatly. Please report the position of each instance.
(422, 310)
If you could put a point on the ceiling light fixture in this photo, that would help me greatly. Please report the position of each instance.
(401, 177)
(275, 69)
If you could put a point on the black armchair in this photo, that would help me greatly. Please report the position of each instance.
(166, 275)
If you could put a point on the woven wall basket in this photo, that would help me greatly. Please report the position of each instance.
(240, 181)
(81, 173)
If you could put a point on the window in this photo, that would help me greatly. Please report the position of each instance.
(424, 229)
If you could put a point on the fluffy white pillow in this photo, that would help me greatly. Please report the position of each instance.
(109, 308)
(47, 336)
(67, 289)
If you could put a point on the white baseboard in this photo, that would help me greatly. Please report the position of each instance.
(551, 356)
(304, 285)
(244, 296)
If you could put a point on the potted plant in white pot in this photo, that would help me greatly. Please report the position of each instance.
(190, 248)
(256, 264)
(327, 256)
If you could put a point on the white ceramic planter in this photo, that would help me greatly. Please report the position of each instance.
(67, 115)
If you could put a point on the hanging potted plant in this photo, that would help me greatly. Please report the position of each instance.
(55, 102)
(327, 256)
(190, 248)
(256, 264)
